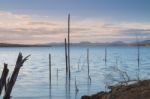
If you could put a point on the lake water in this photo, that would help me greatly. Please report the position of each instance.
(33, 80)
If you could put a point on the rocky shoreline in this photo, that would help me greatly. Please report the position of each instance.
(138, 90)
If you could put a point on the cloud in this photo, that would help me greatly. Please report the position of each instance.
(16, 28)
(41, 23)
(134, 32)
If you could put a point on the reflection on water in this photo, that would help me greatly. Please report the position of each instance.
(33, 80)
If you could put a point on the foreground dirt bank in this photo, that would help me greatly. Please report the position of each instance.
(139, 90)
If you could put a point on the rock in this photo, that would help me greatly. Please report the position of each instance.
(85, 97)
(139, 90)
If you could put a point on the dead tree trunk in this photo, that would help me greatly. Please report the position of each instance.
(3, 77)
(105, 56)
(50, 70)
(19, 64)
(66, 57)
(69, 45)
(88, 63)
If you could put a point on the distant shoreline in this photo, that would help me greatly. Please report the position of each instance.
(118, 43)
(74, 45)
(5, 46)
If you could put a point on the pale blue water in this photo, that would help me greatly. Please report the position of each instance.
(33, 80)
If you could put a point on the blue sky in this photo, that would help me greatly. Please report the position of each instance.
(117, 10)
(108, 17)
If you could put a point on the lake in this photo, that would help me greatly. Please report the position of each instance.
(33, 79)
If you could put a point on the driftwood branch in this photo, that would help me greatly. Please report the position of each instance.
(10, 84)
(3, 77)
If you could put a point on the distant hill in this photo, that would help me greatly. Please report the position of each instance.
(117, 43)
(141, 43)
(20, 45)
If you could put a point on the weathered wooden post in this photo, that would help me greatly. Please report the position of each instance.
(57, 74)
(69, 45)
(88, 63)
(76, 87)
(50, 69)
(50, 75)
(66, 57)
(138, 57)
(105, 56)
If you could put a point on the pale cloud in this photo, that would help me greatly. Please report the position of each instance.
(16, 28)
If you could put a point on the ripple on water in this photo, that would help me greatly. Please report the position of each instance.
(33, 80)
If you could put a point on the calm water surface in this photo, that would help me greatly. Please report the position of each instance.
(33, 80)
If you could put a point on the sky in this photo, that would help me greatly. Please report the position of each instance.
(45, 21)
